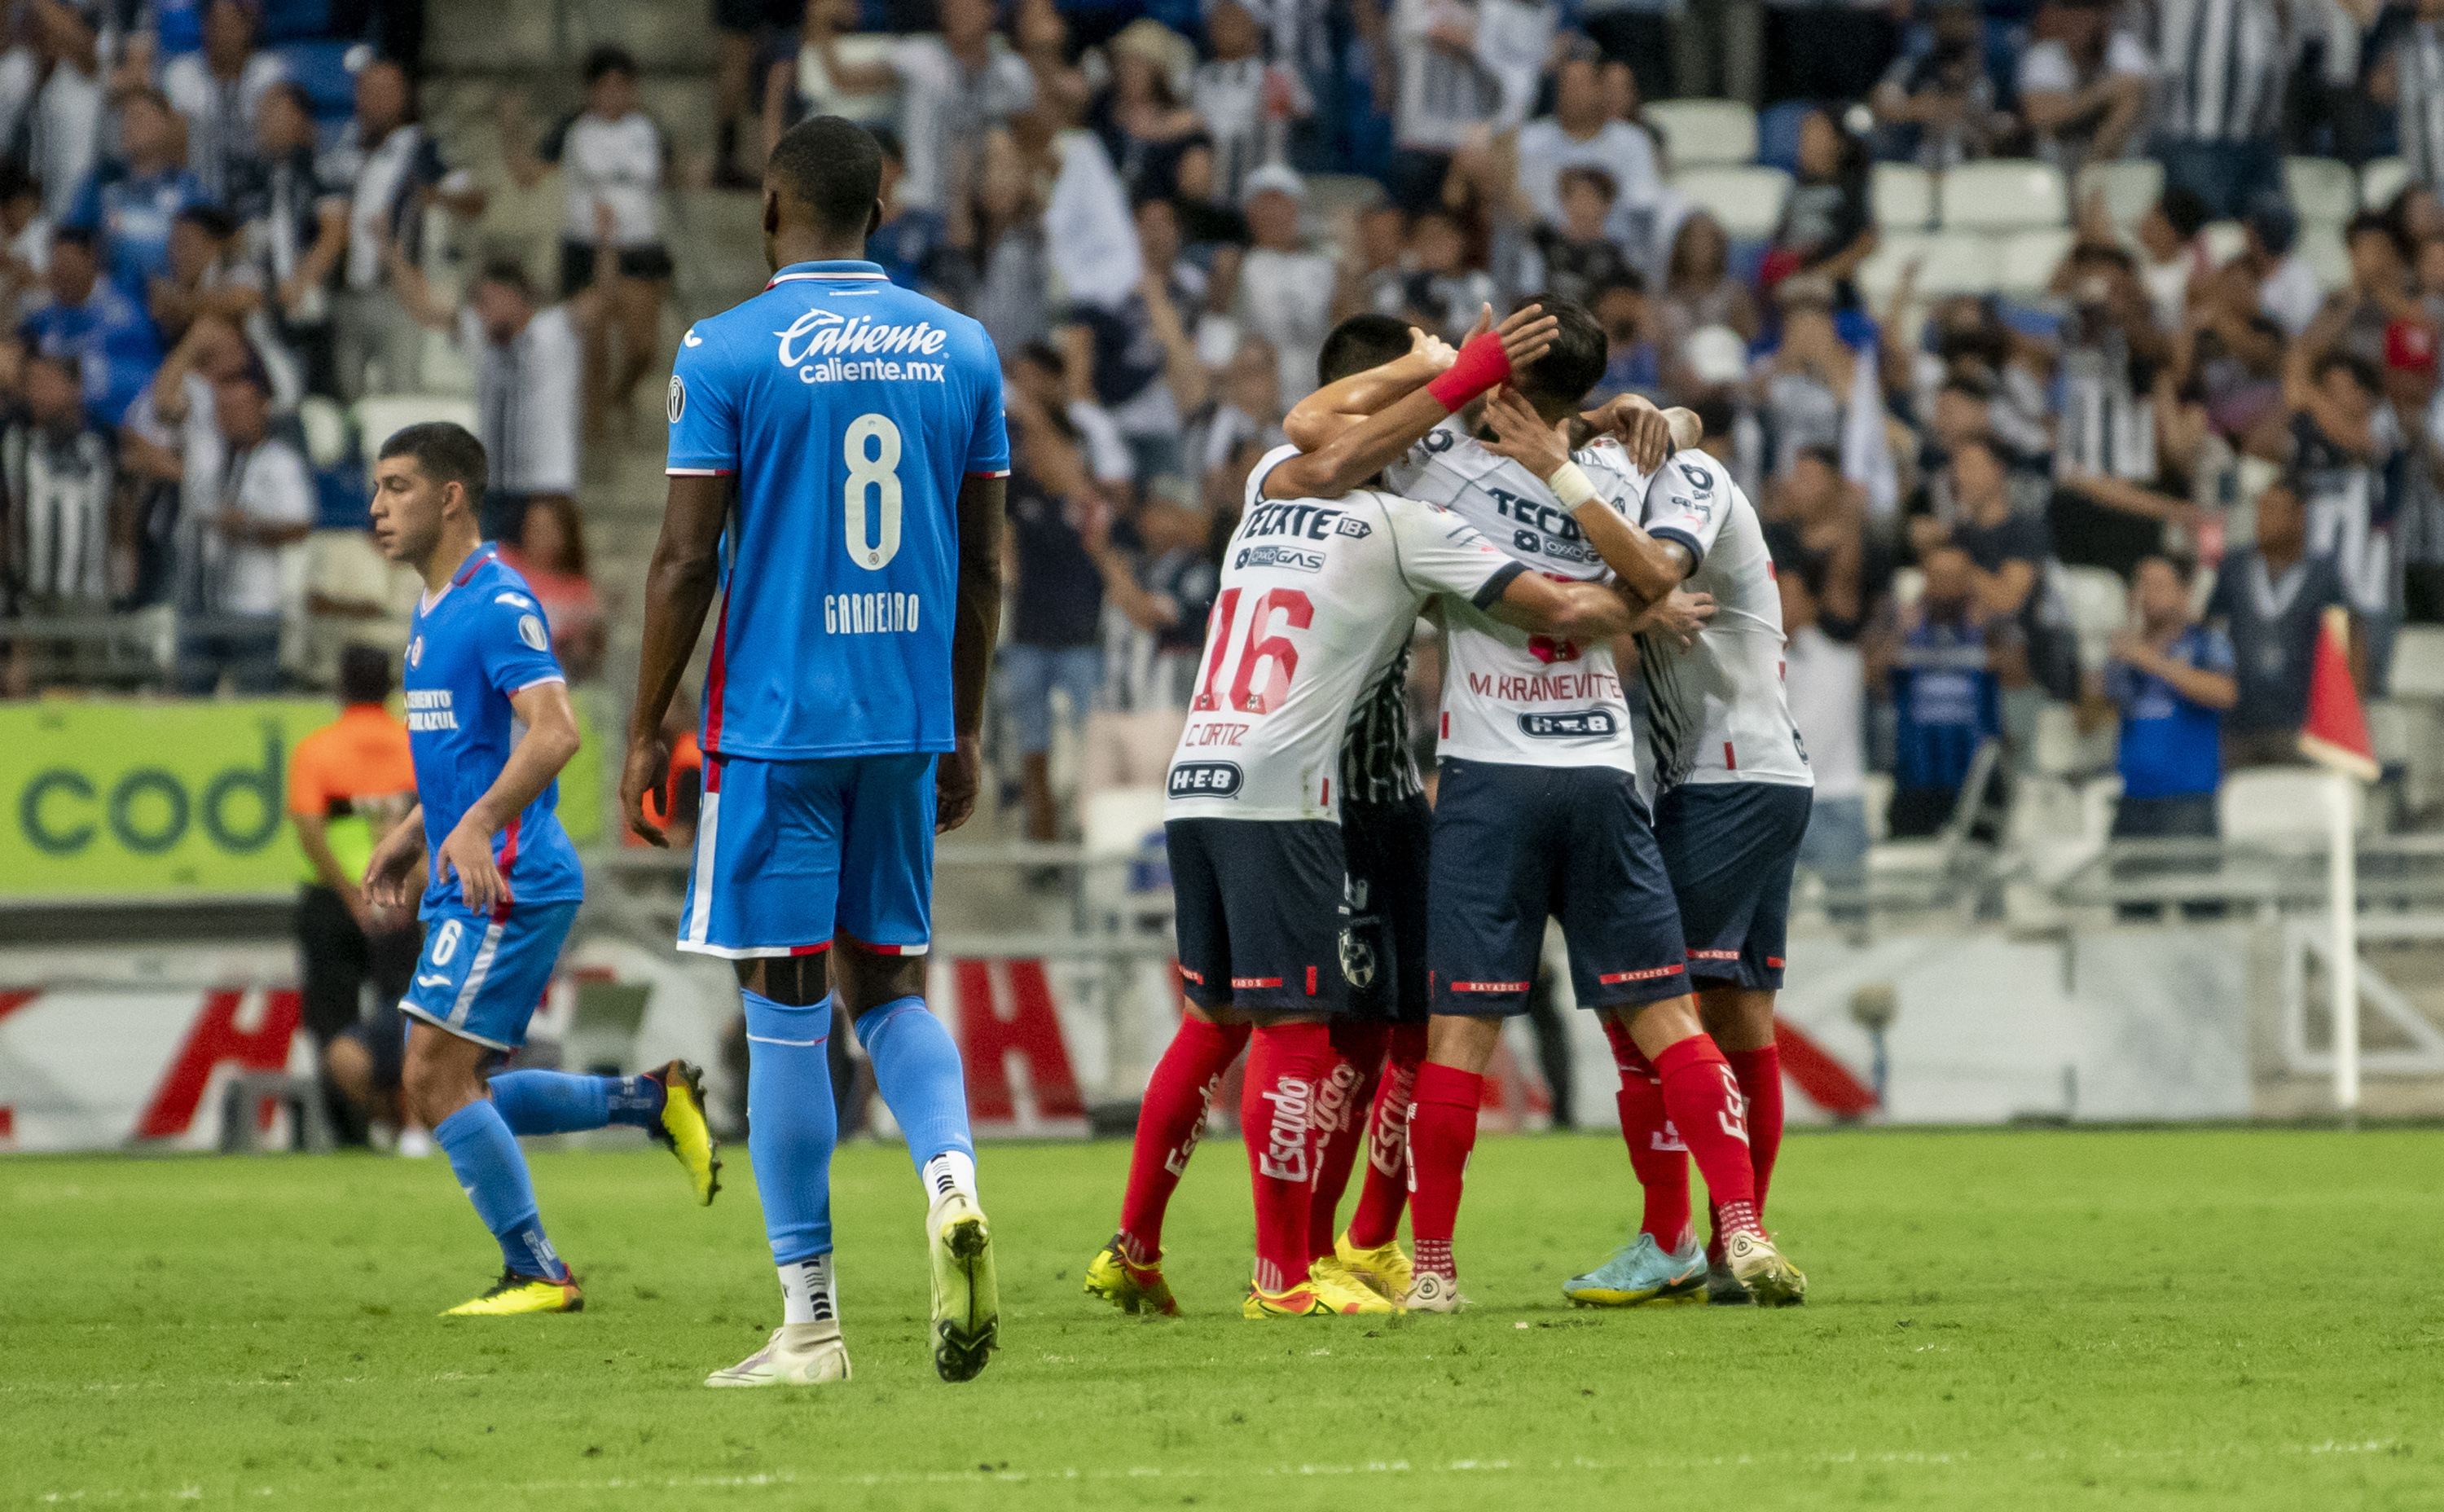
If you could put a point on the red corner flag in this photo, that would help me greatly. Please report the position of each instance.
(2337, 732)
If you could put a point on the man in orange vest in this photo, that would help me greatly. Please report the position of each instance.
(348, 783)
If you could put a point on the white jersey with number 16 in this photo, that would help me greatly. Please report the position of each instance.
(1317, 596)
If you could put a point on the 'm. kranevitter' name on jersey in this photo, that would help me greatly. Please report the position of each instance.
(850, 410)
(1318, 596)
(1510, 696)
(470, 648)
(1717, 711)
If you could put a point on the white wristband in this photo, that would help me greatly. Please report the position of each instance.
(1571, 486)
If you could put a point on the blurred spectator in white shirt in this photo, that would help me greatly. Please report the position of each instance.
(218, 89)
(2083, 84)
(259, 499)
(1288, 292)
(1578, 134)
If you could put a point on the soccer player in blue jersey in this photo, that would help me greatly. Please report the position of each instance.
(836, 465)
(489, 727)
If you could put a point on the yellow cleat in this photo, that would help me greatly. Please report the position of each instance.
(683, 1129)
(1769, 1278)
(1303, 1301)
(1345, 1291)
(967, 1292)
(515, 1294)
(1384, 1268)
(1131, 1287)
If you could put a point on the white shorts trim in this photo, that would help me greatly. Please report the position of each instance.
(454, 1030)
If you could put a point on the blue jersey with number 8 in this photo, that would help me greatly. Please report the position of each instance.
(850, 410)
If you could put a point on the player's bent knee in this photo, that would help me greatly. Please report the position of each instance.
(1657, 1026)
(1462, 1042)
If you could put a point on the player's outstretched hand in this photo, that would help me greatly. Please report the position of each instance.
(1681, 615)
(468, 852)
(955, 785)
(1521, 435)
(1645, 432)
(387, 869)
(1527, 334)
(1437, 353)
(647, 769)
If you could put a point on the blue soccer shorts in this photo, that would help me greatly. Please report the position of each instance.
(482, 976)
(1731, 848)
(1513, 845)
(789, 853)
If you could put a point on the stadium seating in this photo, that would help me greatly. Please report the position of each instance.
(2419, 662)
(1747, 201)
(2003, 195)
(1778, 133)
(2321, 249)
(326, 430)
(1705, 132)
(2028, 259)
(2381, 180)
(2323, 191)
(377, 416)
(2099, 606)
(2225, 240)
(1903, 196)
(2131, 186)
(1947, 262)
(2275, 803)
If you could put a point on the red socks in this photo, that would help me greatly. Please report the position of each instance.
(1442, 1130)
(1703, 1099)
(1169, 1124)
(1655, 1153)
(1341, 1106)
(1285, 1063)
(1377, 1221)
(1760, 1076)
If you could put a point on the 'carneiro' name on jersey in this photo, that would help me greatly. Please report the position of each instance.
(470, 647)
(850, 410)
(1510, 696)
(1717, 709)
(1318, 596)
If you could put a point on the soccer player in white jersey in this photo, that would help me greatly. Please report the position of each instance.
(1537, 815)
(1733, 793)
(1318, 596)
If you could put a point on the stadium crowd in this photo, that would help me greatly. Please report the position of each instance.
(2218, 391)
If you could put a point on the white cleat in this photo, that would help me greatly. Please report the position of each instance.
(967, 1297)
(796, 1354)
(1432, 1292)
(1761, 1269)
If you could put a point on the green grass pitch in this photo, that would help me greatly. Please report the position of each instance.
(2163, 1319)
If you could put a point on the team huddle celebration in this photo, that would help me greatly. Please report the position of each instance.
(838, 515)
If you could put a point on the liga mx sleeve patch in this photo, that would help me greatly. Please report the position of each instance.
(678, 398)
(530, 630)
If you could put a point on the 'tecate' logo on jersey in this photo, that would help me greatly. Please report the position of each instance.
(819, 332)
(1206, 780)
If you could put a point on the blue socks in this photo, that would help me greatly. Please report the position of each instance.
(484, 1154)
(917, 1069)
(791, 1125)
(541, 1102)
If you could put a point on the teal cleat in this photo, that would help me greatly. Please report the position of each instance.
(1641, 1274)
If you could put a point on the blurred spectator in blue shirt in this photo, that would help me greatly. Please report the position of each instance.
(134, 200)
(96, 321)
(2172, 679)
(2268, 601)
(1947, 700)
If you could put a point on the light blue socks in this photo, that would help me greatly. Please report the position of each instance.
(485, 1156)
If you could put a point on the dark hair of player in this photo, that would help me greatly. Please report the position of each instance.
(445, 451)
(1716, 414)
(1556, 382)
(833, 168)
(364, 674)
(1362, 341)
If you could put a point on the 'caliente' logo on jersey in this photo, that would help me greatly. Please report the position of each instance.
(818, 332)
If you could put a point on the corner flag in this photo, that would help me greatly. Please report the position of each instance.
(2336, 734)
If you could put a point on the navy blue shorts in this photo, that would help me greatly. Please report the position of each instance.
(1729, 848)
(1516, 844)
(1383, 945)
(1259, 908)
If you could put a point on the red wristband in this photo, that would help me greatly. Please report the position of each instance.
(1482, 365)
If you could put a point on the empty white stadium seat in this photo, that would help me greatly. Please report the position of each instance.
(380, 416)
(1903, 196)
(2382, 178)
(2028, 259)
(2131, 187)
(2275, 803)
(2006, 194)
(2419, 662)
(2225, 240)
(1909, 586)
(2098, 605)
(1747, 201)
(2323, 191)
(1947, 262)
(326, 430)
(1700, 132)
(2321, 249)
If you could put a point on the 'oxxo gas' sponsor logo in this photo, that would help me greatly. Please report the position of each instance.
(1271, 556)
(1569, 725)
(1205, 780)
(61, 811)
